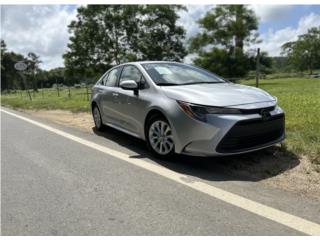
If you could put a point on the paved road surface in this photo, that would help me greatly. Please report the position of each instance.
(52, 185)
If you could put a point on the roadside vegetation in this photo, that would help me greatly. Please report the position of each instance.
(49, 99)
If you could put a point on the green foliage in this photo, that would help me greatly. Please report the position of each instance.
(221, 62)
(281, 64)
(227, 25)
(304, 54)
(9, 75)
(225, 31)
(105, 35)
(230, 64)
(33, 69)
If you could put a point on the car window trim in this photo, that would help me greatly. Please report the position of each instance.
(105, 77)
(127, 65)
(118, 77)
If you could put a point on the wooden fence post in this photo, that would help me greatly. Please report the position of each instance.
(87, 92)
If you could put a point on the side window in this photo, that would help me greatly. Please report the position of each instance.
(104, 79)
(131, 73)
(101, 80)
(112, 77)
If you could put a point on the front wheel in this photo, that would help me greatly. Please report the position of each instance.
(159, 137)
(97, 118)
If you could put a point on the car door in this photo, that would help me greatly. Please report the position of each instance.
(110, 97)
(131, 105)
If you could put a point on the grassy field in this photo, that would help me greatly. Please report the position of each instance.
(49, 99)
(300, 99)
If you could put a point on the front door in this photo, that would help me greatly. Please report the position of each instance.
(132, 105)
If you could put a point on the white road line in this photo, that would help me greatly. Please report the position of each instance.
(262, 210)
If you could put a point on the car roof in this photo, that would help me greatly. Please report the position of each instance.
(143, 62)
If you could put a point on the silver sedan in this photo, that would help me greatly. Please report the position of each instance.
(179, 108)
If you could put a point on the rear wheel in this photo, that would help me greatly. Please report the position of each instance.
(159, 136)
(97, 118)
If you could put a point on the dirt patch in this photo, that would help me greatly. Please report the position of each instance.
(276, 167)
(303, 179)
(82, 121)
(273, 166)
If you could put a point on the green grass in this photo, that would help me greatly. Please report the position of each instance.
(299, 97)
(49, 99)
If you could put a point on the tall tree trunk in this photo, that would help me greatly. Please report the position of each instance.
(239, 21)
(116, 46)
(239, 43)
(310, 67)
(34, 82)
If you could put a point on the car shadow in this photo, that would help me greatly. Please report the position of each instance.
(253, 166)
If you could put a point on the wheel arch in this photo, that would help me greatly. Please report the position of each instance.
(150, 114)
(93, 104)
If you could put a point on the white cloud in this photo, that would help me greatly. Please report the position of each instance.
(40, 29)
(273, 40)
(188, 19)
(271, 12)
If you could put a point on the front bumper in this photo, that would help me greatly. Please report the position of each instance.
(228, 134)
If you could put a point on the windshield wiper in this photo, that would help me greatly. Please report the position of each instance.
(201, 83)
(167, 84)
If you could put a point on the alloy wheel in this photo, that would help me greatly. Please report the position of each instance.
(160, 137)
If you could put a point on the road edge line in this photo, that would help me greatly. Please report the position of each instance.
(289, 220)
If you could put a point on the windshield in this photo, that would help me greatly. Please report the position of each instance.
(166, 74)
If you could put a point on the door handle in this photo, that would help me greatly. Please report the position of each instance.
(115, 94)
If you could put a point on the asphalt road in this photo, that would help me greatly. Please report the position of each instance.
(52, 185)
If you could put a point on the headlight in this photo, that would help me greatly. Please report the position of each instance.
(276, 99)
(200, 112)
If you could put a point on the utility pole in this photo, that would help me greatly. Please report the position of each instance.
(258, 68)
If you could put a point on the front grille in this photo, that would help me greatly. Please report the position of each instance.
(257, 110)
(253, 133)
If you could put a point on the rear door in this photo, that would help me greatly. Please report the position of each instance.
(110, 97)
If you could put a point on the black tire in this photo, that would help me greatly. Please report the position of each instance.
(97, 119)
(153, 119)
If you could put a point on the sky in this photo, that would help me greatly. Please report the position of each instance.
(43, 29)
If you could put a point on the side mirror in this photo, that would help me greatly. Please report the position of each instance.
(129, 85)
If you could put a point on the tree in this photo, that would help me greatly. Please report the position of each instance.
(224, 32)
(304, 53)
(9, 75)
(106, 35)
(3, 51)
(159, 38)
(33, 62)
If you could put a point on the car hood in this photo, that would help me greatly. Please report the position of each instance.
(220, 94)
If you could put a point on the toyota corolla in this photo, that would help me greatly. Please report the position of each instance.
(179, 108)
